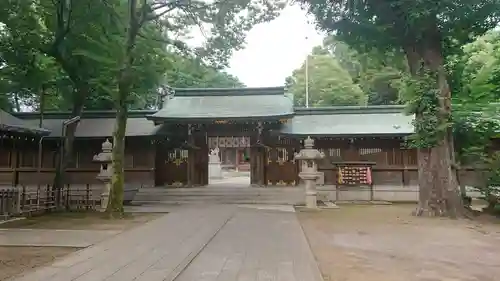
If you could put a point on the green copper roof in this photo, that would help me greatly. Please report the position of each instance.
(101, 127)
(206, 104)
(93, 123)
(350, 121)
(11, 123)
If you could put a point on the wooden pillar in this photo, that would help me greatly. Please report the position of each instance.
(296, 148)
(257, 157)
(191, 158)
(404, 161)
(257, 166)
(15, 160)
(352, 153)
(200, 172)
(159, 160)
(239, 157)
(254, 163)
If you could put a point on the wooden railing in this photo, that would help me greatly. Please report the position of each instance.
(39, 199)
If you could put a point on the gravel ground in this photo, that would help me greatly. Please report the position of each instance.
(385, 243)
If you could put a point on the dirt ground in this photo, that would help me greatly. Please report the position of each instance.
(385, 243)
(82, 220)
(16, 260)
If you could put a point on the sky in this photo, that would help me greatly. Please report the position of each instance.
(275, 49)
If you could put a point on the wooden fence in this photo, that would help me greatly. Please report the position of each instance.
(40, 199)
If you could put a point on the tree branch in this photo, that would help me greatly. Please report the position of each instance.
(63, 25)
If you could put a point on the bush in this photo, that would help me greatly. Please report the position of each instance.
(490, 190)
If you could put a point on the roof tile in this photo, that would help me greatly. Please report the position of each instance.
(226, 103)
(350, 121)
(101, 127)
(9, 122)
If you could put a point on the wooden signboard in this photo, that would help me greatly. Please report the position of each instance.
(354, 175)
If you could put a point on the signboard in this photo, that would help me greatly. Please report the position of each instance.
(354, 175)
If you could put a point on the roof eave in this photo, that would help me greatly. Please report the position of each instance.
(24, 130)
(161, 119)
(377, 135)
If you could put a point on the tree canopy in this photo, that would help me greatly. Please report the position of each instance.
(474, 71)
(328, 82)
(377, 75)
(28, 69)
(426, 32)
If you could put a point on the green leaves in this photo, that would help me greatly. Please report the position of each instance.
(81, 43)
(222, 24)
(328, 83)
(422, 97)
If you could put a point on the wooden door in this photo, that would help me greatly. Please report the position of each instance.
(281, 168)
(257, 165)
(175, 167)
(200, 173)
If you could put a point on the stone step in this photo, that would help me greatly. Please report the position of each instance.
(228, 202)
(221, 195)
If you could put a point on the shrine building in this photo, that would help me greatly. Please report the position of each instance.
(255, 128)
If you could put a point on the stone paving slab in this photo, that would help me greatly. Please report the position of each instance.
(256, 245)
(157, 250)
(53, 237)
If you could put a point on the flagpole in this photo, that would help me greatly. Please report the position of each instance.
(307, 80)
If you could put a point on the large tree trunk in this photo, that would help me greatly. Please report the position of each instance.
(115, 203)
(66, 152)
(438, 187)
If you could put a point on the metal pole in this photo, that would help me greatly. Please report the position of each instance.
(40, 155)
(307, 81)
(307, 77)
(66, 123)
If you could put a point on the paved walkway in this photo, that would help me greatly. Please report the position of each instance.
(202, 243)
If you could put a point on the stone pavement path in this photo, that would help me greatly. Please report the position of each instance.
(202, 243)
(53, 237)
(256, 245)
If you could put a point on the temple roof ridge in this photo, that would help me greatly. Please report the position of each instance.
(350, 109)
(247, 91)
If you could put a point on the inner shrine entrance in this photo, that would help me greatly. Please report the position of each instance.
(183, 159)
(233, 152)
(238, 123)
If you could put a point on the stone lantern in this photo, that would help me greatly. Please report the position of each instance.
(106, 172)
(309, 157)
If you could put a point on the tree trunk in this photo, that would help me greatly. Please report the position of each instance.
(115, 203)
(16, 102)
(67, 141)
(438, 188)
(42, 105)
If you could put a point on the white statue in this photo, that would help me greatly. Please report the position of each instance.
(215, 151)
(214, 164)
(213, 157)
